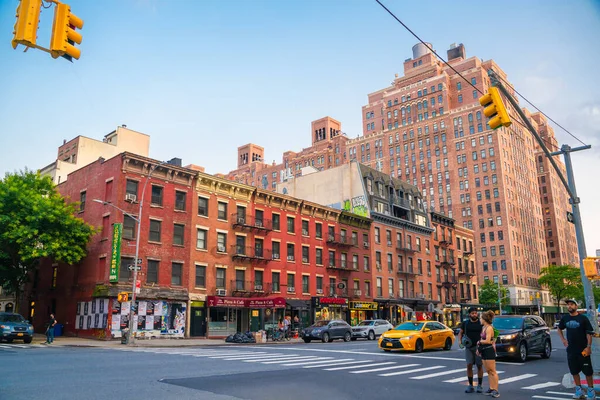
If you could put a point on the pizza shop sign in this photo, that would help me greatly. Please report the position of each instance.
(236, 302)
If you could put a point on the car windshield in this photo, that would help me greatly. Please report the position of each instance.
(508, 323)
(11, 318)
(410, 326)
(366, 323)
(321, 323)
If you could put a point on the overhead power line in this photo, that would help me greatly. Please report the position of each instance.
(465, 79)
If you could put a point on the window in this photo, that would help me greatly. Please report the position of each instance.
(276, 247)
(275, 280)
(458, 85)
(82, 197)
(319, 230)
(178, 230)
(240, 279)
(319, 284)
(290, 251)
(176, 273)
(221, 242)
(366, 266)
(132, 187)
(200, 276)
(305, 257)
(304, 228)
(155, 227)
(220, 281)
(221, 211)
(241, 215)
(201, 239)
(152, 273)
(203, 207)
(157, 195)
(54, 277)
(305, 284)
(124, 273)
(291, 286)
(259, 217)
(460, 100)
(379, 289)
(129, 227)
(290, 225)
(258, 280)
(180, 200)
(319, 256)
(276, 222)
(258, 248)
(331, 258)
(240, 244)
(377, 236)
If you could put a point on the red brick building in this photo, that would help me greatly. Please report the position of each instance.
(82, 296)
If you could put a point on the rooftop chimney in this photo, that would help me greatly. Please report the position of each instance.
(457, 52)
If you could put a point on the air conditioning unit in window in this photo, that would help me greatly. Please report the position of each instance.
(241, 220)
(275, 256)
(290, 258)
(357, 293)
(291, 289)
(130, 197)
(258, 288)
(221, 292)
(319, 291)
(258, 223)
(221, 248)
(421, 295)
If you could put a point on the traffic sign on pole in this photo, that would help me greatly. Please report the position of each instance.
(134, 267)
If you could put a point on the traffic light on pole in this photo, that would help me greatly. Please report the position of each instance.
(494, 109)
(64, 36)
(28, 17)
(591, 266)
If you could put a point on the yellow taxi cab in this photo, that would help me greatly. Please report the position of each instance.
(417, 336)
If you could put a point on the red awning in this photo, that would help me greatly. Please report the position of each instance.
(240, 302)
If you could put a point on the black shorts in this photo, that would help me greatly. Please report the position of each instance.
(487, 352)
(578, 363)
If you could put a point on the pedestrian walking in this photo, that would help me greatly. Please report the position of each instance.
(469, 335)
(50, 329)
(286, 326)
(579, 348)
(485, 349)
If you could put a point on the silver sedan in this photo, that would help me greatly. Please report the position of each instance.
(370, 329)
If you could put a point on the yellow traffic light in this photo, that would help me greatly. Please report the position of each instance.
(494, 109)
(122, 297)
(64, 35)
(28, 17)
(591, 266)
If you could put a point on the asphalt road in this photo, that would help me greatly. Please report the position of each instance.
(355, 370)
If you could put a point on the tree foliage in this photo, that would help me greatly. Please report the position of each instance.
(488, 293)
(36, 222)
(563, 281)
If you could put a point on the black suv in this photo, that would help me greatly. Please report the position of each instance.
(521, 335)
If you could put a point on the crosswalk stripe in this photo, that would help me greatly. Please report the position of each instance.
(282, 357)
(241, 356)
(454, 371)
(320, 363)
(364, 371)
(541, 385)
(284, 361)
(336, 362)
(253, 356)
(516, 378)
(549, 397)
(464, 378)
(561, 393)
(359, 366)
(412, 371)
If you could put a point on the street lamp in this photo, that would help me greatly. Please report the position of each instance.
(138, 220)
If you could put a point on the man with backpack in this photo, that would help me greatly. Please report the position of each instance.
(469, 335)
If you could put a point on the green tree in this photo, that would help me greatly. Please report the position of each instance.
(563, 281)
(488, 293)
(36, 222)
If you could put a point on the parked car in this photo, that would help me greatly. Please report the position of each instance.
(327, 331)
(417, 336)
(370, 329)
(521, 335)
(14, 326)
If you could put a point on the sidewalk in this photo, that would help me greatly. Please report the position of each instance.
(66, 341)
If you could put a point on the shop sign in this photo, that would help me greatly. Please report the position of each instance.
(197, 304)
(329, 301)
(115, 257)
(236, 302)
(363, 305)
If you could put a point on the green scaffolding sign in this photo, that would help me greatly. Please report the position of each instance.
(115, 258)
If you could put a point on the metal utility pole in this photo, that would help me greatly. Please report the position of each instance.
(566, 150)
(499, 299)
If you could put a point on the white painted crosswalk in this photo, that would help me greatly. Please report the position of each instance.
(552, 395)
(412, 368)
(19, 346)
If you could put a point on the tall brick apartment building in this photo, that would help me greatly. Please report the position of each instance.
(427, 128)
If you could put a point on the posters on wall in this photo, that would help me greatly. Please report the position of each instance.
(152, 318)
(92, 314)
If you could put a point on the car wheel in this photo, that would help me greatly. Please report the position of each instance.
(325, 338)
(347, 337)
(419, 346)
(371, 335)
(522, 355)
(448, 344)
(306, 340)
(547, 349)
(27, 340)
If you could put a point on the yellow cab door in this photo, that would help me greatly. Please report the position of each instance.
(430, 335)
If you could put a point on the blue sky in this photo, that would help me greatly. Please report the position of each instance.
(203, 77)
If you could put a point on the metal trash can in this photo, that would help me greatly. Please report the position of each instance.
(124, 335)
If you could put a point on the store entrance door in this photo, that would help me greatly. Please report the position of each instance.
(198, 323)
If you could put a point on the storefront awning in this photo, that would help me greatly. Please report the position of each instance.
(300, 304)
(241, 302)
(406, 308)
